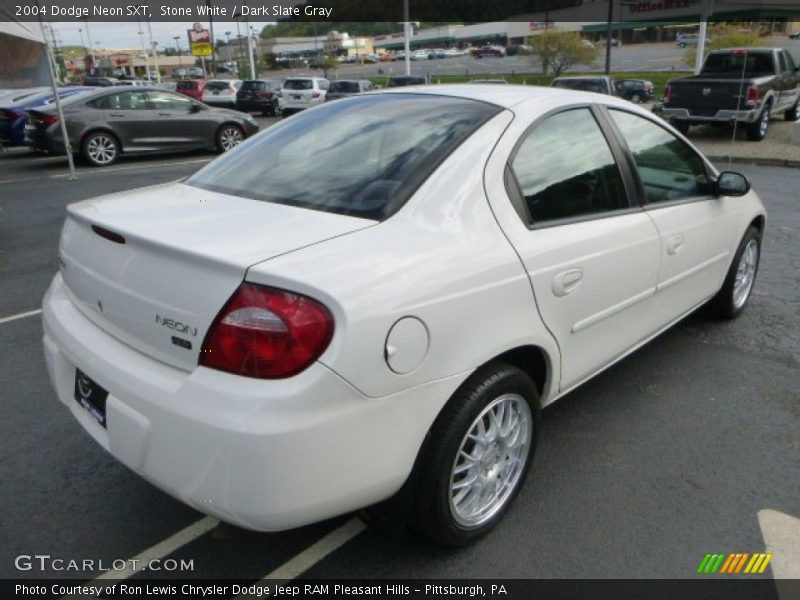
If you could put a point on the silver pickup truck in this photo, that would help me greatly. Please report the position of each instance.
(748, 85)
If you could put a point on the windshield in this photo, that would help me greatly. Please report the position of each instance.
(346, 87)
(298, 84)
(363, 156)
(752, 63)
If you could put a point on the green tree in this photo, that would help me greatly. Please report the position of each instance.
(328, 65)
(724, 35)
(561, 50)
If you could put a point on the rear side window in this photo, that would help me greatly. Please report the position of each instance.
(364, 157)
(298, 84)
(565, 169)
(669, 169)
(187, 85)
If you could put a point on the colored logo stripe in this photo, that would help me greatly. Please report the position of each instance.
(734, 563)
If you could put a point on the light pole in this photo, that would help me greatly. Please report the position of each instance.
(144, 53)
(407, 30)
(250, 37)
(228, 38)
(155, 55)
(177, 39)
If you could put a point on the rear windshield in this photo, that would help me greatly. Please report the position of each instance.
(401, 81)
(298, 84)
(364, 157)
(346, 87)
(736, 63)
(187, 85)
(253, 86)
(583, 85)
(217, 86)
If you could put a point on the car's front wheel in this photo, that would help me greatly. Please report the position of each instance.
(731, 299)
(228, 137)
(100, 149)
(477, 455)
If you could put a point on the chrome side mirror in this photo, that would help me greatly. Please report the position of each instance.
(732, 184)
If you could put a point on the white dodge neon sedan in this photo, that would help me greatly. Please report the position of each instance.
(380, 294)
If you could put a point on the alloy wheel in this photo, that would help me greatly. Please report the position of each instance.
(490, 460)
(745, 274)
(101, 149)
(230, 138)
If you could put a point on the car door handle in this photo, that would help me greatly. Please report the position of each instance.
(567, 282)
(117, 114)
(164, 114)
(674, 243)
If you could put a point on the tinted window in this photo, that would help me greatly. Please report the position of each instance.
(753, 63)
(565, 169)
(790, 66)
(297, 84)
(583, 85)
(187, 85)
(345, 87)
(253, 86)
(364, 157)
(669, 169)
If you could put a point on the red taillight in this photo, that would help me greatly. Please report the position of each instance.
(267, 333)
(13, 115)
(752, 95)
(667, 93)
(264, 94)
(315, 94)
(48, 120)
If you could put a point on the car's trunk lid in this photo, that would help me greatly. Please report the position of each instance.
(153, 267)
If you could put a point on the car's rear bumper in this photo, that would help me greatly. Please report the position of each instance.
(266, 455)
(721, 116)
(255, 105)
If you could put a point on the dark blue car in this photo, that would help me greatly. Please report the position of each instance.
(14, 115)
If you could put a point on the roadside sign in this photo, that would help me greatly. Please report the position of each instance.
(200, 41)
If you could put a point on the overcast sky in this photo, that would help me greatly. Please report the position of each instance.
(125, 35)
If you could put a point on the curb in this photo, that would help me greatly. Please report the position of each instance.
(754, 160)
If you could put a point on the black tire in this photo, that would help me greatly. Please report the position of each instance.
(724, 304)
(793, 114)
(758, 131)
(433, 513)
(228, 137)
(681, 126)
(100, 149)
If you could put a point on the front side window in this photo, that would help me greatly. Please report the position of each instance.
(565, 169)
(669, 169)
(364, 157)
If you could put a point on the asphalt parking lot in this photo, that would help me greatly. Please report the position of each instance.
(688, 446)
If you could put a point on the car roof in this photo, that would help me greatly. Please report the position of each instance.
(506, 96)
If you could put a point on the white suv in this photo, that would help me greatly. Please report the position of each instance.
(298, 93)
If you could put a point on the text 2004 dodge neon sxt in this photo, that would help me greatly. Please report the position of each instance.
(386, 289)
